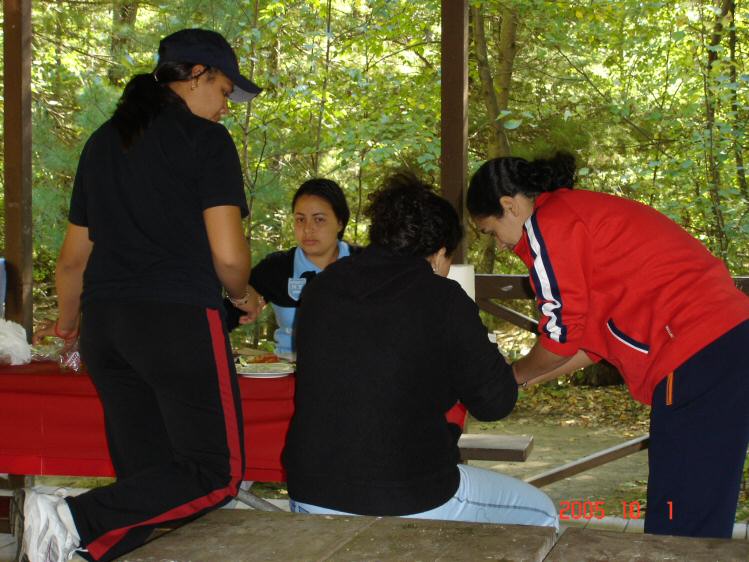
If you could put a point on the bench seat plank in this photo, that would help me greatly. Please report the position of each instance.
(585, 544)
(488, 447)
(242, 535)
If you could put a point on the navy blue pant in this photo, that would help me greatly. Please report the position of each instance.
(698, 444)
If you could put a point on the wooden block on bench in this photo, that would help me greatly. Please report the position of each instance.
(488, 447)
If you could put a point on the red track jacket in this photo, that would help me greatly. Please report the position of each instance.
(623, 282)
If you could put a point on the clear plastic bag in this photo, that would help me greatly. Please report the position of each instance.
(70, 358)
(67, 355)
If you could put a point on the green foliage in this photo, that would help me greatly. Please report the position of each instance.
(625, 85)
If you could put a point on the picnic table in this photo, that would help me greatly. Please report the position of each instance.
(52, 423)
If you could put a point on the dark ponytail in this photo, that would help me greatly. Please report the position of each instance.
(144, 97)
(509, 176)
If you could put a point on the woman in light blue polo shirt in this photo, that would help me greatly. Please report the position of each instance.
(320, 217)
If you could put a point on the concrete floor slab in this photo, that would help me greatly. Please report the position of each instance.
(7, 548)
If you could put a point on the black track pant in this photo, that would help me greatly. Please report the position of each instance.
(173, 415)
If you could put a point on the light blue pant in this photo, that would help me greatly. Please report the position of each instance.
(483, 496)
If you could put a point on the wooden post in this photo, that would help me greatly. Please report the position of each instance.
(17, 165)
(454, 157)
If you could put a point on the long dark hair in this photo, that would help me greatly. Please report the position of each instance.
(331, 192)
(410, 219)
(145, 96)
(509, 176)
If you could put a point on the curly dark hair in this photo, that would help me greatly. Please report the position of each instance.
(509, 176)
(410, 219)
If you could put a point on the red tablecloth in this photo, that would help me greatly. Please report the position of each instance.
(51, 423)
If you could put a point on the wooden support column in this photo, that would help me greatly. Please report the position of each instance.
(17, 164)
(454, 157)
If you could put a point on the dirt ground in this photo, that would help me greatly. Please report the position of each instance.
(554, 445)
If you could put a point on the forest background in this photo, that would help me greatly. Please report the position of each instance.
(652, 97)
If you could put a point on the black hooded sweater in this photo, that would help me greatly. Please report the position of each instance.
(385, 349)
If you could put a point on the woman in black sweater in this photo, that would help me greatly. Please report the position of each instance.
(386, 345)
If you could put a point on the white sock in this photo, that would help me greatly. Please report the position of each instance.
(63, 510)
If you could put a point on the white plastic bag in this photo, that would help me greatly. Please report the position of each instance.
(14, 349)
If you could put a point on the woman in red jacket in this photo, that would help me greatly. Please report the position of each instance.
(616, 280)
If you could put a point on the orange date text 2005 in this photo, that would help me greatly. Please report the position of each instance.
(572, 509)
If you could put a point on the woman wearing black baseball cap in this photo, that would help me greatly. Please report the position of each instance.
(155, 232)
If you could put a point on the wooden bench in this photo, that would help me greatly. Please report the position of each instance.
(246, 535)
(585, 544)
(488, 447)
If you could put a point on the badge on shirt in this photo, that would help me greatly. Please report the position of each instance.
(295, 287)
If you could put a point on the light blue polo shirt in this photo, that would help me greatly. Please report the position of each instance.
(285, 315)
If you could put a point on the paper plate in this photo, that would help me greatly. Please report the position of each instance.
(265, 370)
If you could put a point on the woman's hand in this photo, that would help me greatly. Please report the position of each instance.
(52, 329)
(45, 330)
(252, 308)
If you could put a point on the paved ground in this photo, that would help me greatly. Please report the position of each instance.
(554, 445)
(7, 548)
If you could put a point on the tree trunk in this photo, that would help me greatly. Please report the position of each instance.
(737, 150)
(57, 89)
(124, 13)
(250, 174)
(318, 143)
(713, 170)
(359, 193)
(487, 255)
(498, 142)
(495, 100)
(507, 49)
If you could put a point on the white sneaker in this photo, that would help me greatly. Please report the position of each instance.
(45, 536)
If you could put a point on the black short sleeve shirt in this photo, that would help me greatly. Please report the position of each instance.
(144, 207)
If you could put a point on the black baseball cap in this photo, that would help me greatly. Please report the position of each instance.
(202, 46)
